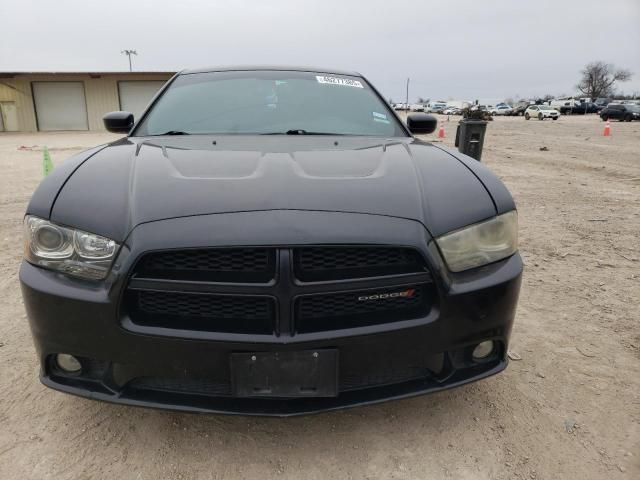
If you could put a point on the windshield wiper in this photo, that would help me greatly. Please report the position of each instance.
(301, 132)
(170, 132)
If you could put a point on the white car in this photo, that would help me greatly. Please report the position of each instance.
(501, 110)
(416, 107)
(541, 112)
(436, 107)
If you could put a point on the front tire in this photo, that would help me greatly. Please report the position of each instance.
(540, 116)
(527, 116)
(554, 118)
(604, 118)
(628, 118)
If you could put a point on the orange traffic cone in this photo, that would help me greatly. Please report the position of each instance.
(441, 132)
(607, 129)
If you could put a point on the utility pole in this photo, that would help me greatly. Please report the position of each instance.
(407, 104)
(128, 53)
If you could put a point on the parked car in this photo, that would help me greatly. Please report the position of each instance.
(564, 103)
(501, 110)
(452, 111)
(437, 107)
(541, 112)
(400, 106)
(231, 254)
(618, 111)
(519, 109)
(417, 107)
(579, 109)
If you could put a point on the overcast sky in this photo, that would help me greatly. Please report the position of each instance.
(462, 49)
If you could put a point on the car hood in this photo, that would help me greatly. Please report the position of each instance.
(139, 180)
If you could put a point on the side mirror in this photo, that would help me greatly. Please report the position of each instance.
(118, 122)
(421, 123)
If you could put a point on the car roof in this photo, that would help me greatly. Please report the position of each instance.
(249, 68)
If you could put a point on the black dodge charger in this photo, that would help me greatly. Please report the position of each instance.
(269, 241)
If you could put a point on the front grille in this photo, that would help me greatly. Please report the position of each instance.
(334, 311)
(277, 290)
(250, 265)
(204, 312)
(338, 263)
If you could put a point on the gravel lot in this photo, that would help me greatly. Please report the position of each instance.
(570, 408)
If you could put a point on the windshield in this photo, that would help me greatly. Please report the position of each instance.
(269, 102)
(546, 107)
(633, 108)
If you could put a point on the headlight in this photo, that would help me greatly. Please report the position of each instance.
(480, 244)
(67, 250)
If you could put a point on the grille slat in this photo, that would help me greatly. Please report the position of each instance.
(339, 263)
(190, 311)
(336, 311)
(243, 265)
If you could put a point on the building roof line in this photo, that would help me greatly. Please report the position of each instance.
(16, 73)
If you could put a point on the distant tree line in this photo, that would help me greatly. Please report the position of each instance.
(598, 79)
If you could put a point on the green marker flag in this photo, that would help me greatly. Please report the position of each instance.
(47, 164)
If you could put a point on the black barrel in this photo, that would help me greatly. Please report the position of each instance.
(470, 137)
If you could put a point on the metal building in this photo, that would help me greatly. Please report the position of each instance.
(49, 101)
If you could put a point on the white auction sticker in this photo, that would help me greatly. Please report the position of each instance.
(339, 81)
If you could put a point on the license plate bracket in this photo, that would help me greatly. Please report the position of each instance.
(290, 374)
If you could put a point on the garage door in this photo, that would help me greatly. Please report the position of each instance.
(60, 105)
(135, 96)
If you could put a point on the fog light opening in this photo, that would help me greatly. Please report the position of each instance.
(68, 363)
(483, 350)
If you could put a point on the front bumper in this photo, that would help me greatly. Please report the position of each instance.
(164, 370)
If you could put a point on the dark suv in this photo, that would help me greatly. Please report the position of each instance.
(622, 112)
(580, 109)
(269, 241)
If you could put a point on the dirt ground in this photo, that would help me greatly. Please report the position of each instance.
(570, 408)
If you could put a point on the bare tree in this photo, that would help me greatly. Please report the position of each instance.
(598, 79)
